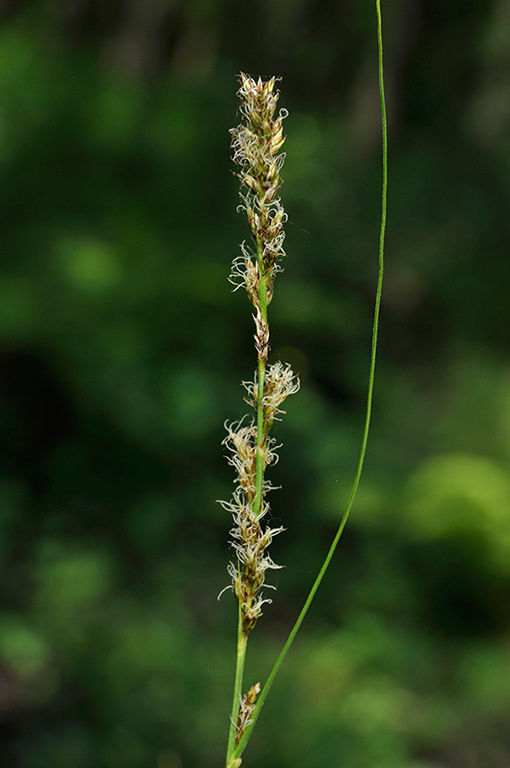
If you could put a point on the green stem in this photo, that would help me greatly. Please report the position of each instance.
(371, 376)
(242, 641)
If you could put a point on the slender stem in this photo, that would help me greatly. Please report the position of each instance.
(384, 121)
(242, 640)
(371, 376)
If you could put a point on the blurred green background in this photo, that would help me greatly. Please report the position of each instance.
(121, 355)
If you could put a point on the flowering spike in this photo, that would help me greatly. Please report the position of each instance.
(256, 145)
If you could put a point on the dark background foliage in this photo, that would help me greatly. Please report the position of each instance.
(122, 349)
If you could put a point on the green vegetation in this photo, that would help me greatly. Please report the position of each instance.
(121, 349)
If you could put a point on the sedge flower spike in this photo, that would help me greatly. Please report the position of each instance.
(256, 150)
(256, 145)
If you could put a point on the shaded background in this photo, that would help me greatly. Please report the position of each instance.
(122, 349)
